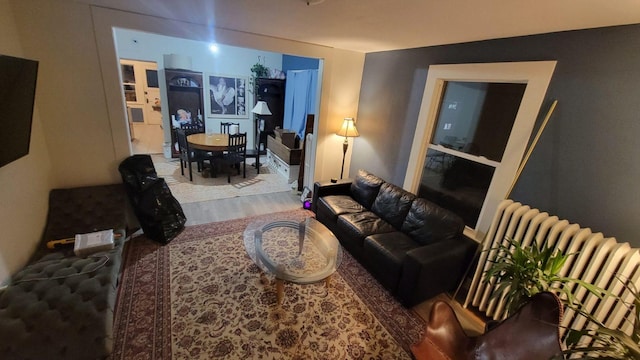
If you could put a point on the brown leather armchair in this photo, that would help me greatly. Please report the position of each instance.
(529, 334)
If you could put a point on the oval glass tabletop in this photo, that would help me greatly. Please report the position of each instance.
(300, 252)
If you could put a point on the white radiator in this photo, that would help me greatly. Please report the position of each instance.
(596, 260)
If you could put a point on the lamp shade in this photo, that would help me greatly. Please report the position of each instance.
(261, 108)
(348, 128)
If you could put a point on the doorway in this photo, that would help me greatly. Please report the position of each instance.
(142, 96)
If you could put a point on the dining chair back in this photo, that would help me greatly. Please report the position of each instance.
(187, 155)
(193, 128)
(236, 154)
(225, 127)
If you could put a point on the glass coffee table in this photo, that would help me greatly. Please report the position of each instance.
(299, 252)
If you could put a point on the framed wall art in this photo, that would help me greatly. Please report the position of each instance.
(226, 96)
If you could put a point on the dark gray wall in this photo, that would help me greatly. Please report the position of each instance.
(585, 167)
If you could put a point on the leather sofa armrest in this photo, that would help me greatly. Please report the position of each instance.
(435, 268)
(324, 188)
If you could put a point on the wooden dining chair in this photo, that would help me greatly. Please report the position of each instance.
(225, 126)
(235, 155)
(188, 155)
(193, 128)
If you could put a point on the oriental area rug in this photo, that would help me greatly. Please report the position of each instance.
(202, 297)
(209, 188)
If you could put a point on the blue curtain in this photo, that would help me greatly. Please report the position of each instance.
(300, 99)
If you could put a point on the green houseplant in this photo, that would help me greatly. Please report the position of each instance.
(257, 70)
(606, 342)
(521, 272)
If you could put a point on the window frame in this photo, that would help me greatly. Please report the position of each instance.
(536, 74)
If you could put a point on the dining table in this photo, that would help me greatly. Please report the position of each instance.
(209, 142)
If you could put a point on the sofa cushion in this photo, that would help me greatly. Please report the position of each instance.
(365, 187)
(351, 229)
(392, 204)
(384, 255)
(427, 223)
(339, 204)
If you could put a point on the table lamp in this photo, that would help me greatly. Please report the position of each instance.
(347, 130)
(261, 108)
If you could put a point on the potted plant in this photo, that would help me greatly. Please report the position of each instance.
(607, 343)
(522, 272)
(257, 70)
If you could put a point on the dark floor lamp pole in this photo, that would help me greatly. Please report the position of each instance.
(260, 109)
(347, 130)
(345, 146)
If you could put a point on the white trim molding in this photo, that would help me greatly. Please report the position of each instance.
(536, 74)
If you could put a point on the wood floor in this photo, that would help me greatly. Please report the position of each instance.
(238, 207)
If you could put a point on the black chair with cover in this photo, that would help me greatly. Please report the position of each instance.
(235, 155)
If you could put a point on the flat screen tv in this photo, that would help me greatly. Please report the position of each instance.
(17, 94)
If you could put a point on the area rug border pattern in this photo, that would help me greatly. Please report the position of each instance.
(147, 259)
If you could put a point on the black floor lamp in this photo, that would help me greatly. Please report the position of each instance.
(261, 108)
(347, 130)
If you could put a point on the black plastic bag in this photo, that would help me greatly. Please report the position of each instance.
(158, 212)
(138, 172)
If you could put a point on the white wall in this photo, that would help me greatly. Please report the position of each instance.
(228, 60)
(24, 183)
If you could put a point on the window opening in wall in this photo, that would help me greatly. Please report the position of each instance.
(152, 78)
(128, 82)
(474, 124)
(471, 131)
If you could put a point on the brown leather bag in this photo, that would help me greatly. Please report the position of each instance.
(529, 334)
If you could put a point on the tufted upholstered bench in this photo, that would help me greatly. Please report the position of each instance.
(61, 306)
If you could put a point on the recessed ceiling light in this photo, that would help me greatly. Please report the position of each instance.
(213, 48)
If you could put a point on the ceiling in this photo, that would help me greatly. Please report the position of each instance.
(379, 25)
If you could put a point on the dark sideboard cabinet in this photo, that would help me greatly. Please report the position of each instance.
(272, 92)
(185, 101)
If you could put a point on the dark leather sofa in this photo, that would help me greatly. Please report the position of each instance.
(414, 248)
